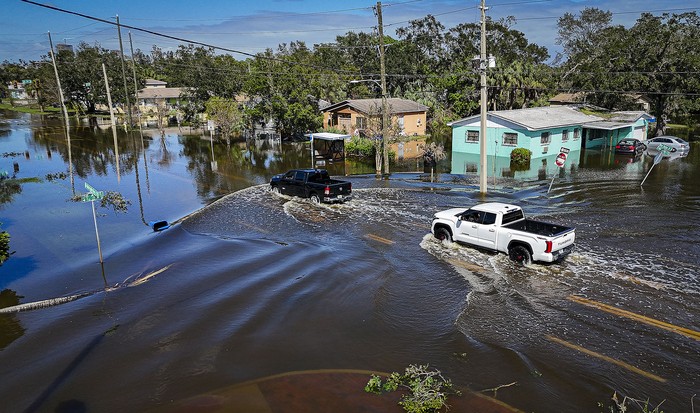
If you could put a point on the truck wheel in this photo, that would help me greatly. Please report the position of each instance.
(520, 255)
(443, 234)
(315, 199)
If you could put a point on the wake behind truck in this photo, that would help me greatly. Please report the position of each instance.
(503, 227)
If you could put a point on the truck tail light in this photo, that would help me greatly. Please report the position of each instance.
(549, 247)
(617, 146)
(327, 191)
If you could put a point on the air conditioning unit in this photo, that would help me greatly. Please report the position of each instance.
(545, 149)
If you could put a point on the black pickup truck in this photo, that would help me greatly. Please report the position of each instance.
(315, 184)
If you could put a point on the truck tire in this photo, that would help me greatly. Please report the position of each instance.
(276, 190)
(315, 199)
(443, 234)
(520, 255)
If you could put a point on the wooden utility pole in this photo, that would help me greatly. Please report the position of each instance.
(114, 124)
(136, 86)
(482, 69)
(126, 91)
(385, 109)
(65, 113)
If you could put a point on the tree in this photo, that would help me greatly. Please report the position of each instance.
(653, 57)
(226, 114)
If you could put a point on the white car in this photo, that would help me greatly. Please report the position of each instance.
(676, 144)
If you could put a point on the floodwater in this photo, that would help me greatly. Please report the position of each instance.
(247, 284)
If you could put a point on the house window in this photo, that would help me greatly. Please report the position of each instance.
(510, 139)
(565, 135)
(577, 134)
(470, 167)
(545, 138)
(361, 122)
(472, 136)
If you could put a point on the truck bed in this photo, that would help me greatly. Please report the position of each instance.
(536, 227)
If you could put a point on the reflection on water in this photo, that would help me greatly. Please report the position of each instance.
(246, 283)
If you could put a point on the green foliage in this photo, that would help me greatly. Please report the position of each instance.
(4, 246)
(111, 199)
(226, 114)
(520, 156)
(426, 390)
(359, 147)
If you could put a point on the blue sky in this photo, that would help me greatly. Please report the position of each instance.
(252, 26)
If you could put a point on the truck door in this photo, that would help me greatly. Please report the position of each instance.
(487, 231)
(287, 183)
(298, 184)
(467, 227)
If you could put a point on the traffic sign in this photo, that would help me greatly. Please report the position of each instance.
(89, 197)
(561, 159)
(92, 195)
(664, 149)
(658, 157)
(564, 150)
(90, 188)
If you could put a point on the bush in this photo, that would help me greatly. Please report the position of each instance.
(427, 389)
(359, 147)
(520, 156)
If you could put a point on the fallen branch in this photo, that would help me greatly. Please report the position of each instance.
(497, 388)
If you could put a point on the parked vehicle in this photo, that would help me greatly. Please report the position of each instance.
(503, 227)
(315, 184)
(675, 143)
(630, 146)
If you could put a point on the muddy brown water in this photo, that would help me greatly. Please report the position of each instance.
(247, 284)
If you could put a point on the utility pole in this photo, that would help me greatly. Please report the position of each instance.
(136, 86)
(385, 109)
(121, 52)
(482, 69)
(114, 124)
(65, 113)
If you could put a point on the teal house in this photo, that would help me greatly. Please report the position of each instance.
(545, 130)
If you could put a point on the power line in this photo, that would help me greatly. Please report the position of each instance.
(181, 39)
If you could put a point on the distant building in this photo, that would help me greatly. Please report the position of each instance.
(19, 94)
(60, 47)
(156, 101)
(351, 115)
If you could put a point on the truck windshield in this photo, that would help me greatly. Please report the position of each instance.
(512, 217)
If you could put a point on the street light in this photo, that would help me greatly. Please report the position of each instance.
(385, 125)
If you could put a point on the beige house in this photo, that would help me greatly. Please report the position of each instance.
(352, 115)
(157, 94)
(156, 101)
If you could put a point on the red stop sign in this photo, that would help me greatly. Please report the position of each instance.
(561, 158)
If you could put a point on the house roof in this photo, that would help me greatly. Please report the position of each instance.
(328, 136)
(577, 97)
(374, 106)
(608, 125)
(545, 117)
(154, 82)
(161, 92)
(630, 116)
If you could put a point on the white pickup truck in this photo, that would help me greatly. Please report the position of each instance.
(503, 227)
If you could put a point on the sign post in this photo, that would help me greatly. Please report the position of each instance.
(560, 161)
(663, 151)
(92, 196)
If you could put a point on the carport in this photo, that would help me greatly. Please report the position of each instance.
(326, 146)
